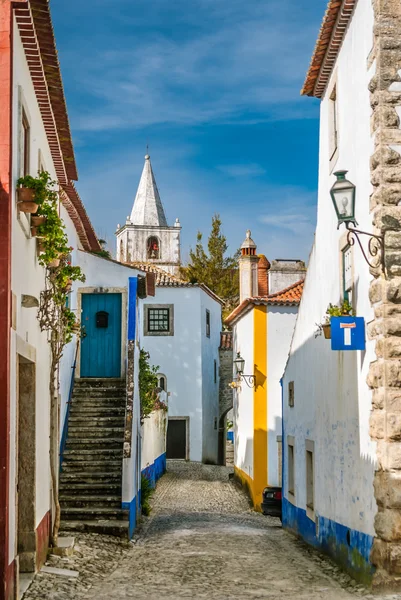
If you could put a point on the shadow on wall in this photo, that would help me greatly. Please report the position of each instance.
(329, 411)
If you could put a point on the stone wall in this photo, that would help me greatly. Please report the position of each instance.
(385, 292)
(226, 376)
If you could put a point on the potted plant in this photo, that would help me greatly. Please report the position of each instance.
(33, 191)
(333, 310)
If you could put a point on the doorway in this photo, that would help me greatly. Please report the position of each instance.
(26, 466)
(177, 438)
(101, 337)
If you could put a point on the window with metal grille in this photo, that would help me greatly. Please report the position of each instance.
(158, 319)
(208, 323)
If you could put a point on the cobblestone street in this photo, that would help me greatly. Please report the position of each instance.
(201, 541)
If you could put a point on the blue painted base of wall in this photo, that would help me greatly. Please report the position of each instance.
(348, 547)
(132, 508)
(156, 470)
(230, 436)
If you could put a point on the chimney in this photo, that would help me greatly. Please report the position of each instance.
(263, 281)
(285, 272)
(248, 269)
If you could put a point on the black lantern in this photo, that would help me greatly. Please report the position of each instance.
(239, 364)
(343, 197)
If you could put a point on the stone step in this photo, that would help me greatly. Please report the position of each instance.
(86, 500)
(109, 527)
(83, 514)
(94, 443)
(92, 454)
(78, 409)
(90, 477)
(90, 466)
(92, 421)
(98, 393)
(102, 488)
(85, 433)
(99, 381)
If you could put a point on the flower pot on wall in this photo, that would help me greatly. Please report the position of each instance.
(53, 264)
(327, 331)
(37, 220)
(25, 194)
(26, 206)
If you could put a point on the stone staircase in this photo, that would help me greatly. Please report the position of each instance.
(229, 454)
(91, 471)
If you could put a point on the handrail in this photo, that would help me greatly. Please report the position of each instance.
(65, 425)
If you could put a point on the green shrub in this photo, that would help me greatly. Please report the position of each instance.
(146, 494)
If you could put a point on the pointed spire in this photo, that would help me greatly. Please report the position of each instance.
(148, 208)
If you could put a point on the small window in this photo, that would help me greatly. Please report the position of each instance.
(215, 422)
(310, 479)
(162, 382)
(153, 248)
(208, 323)
(347, 273)
(291, 474)
(159, 319)
(291, 393)
(25, 144)
(215, 371)
(333, 123)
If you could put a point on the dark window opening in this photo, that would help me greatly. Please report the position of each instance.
(208, 323)
(162, 383)
(158, 319)
(25, 145)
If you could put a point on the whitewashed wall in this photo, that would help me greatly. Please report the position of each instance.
(210, 384)
(332, 400)
(243, 397)
(180, 358)
(280, 329)
(27, 277)
(154, 431)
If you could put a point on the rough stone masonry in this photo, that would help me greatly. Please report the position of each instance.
(385, 292)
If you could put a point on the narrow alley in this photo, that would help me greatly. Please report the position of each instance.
(202, 540)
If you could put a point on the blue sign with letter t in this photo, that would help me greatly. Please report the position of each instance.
(347, 333)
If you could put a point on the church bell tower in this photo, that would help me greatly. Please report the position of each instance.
(146, 237)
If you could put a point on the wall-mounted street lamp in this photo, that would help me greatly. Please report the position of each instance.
(343, 197)
(239, 363)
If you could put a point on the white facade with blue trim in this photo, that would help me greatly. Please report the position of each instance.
(328, 455)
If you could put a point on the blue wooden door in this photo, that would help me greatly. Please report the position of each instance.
(101, 340)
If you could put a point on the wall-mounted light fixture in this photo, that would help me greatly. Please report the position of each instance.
(239, 363)
(343, 196)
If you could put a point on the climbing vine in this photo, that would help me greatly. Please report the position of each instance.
(147, 385)
(54, 316)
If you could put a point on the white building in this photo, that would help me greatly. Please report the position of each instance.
(262, 325)
(181, 327)
(341, 474)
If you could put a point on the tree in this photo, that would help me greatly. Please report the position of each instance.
(214, 268)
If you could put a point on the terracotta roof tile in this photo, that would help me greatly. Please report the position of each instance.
(289, 296)
(332, 31)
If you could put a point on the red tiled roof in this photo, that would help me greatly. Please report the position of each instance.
(226, 340)
(332, 31)
(289, 296)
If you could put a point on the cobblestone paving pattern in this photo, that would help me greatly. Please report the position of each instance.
(201, 541)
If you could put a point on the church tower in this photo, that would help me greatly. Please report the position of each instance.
(146, 237)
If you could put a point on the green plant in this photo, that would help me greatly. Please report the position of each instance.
(342, 310)
(146, 494)
(147, 384)
(41, 185)
(54, 239)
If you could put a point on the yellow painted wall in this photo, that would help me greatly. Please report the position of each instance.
(260, 476)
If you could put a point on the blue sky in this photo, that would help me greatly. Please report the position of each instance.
(213, 87)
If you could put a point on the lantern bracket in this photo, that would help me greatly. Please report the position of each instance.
(250, 380)
(375, 252)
